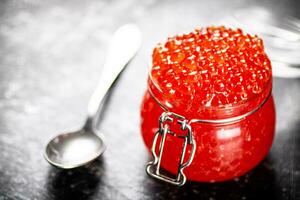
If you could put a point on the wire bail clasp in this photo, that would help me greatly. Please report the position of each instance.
(153, 167)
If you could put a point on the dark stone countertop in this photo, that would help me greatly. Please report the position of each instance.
(50, 58)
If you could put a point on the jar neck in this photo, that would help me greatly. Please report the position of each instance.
(208, 112)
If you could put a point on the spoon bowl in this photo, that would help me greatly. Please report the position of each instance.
(74, 149)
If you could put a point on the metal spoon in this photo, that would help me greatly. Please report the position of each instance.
(74, 149)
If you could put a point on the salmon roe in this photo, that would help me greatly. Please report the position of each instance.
(210, 67)
(212, 73)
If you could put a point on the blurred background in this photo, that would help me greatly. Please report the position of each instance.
(51, 54)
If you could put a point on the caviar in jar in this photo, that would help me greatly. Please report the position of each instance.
(212, 73)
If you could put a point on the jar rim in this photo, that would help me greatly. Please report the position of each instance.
(213, 112)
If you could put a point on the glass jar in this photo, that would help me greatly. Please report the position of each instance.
(223, 149)
(205, 143)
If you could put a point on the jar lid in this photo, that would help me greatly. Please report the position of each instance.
(212, 73)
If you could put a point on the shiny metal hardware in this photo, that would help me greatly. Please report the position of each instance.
(153, 167)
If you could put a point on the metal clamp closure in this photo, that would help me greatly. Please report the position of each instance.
(153, 167)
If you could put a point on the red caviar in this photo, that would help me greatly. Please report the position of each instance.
(212, 73)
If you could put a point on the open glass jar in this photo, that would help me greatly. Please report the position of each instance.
(196, 134)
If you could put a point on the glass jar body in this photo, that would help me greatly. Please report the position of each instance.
(223, 151)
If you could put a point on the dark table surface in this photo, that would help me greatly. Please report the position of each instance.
(51, 54)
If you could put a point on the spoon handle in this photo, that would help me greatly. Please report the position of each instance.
(124, 44)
